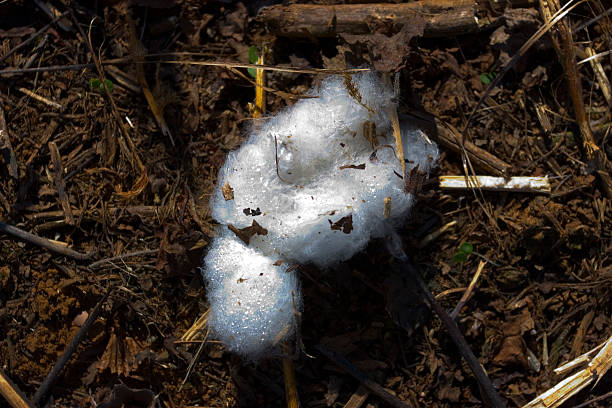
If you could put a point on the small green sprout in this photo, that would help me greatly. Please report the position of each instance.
(253, 57)
(487, 77)
(464, 250)
(96, 85)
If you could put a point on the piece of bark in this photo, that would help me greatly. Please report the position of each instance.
(442, 18)
(60, 184)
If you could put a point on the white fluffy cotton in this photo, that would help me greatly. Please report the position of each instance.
(252, 300)
(316, 209)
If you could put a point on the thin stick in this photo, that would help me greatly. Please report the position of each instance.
(40, 98)
(33, 36)
(490, 394)
(589, 402)
(226, 65)
(371, 385)
(12, 393)
(468, 291)
(435, 234)
(46, 385)
(121, 257)
(44, 242)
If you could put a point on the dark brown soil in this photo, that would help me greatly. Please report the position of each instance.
(139, 201)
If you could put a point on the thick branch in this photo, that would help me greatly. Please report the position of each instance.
(442, 18)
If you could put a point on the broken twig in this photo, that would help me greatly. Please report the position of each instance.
(46, 385)
(43, 242)
(490, 394)
(468, 291)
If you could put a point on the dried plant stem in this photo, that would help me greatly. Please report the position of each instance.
(11, 393)
(260, 92)
(291, 394)
(512, 184)
(564, 45)
(40, 98)
(468, 291)
(593, 372)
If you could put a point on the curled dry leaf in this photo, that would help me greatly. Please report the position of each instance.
(344, 224)
(246, 233)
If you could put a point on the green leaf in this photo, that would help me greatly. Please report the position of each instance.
(252, 72)
(486, 78)
(253, 54)
(109, 86)
(466, 248)
(459, 257)
(94, 84)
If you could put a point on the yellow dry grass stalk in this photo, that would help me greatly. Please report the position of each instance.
(196, 330)
(596, 368)
(260, 93)
(290, 384)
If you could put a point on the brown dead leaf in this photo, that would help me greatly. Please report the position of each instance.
(512, 353)
(120, 355)
(344, 224)
(228, 192)
(513, 350)
(246, 233)
(388, 53)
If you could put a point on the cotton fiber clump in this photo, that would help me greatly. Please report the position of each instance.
(315, 179)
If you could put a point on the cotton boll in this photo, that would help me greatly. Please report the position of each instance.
(320, 187)
(312, 188)
(252, 301)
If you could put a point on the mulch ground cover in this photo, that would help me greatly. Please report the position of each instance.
(111, 142)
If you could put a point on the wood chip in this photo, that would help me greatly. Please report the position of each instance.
(228, 192)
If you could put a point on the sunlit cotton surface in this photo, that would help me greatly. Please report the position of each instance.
(318, 185)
